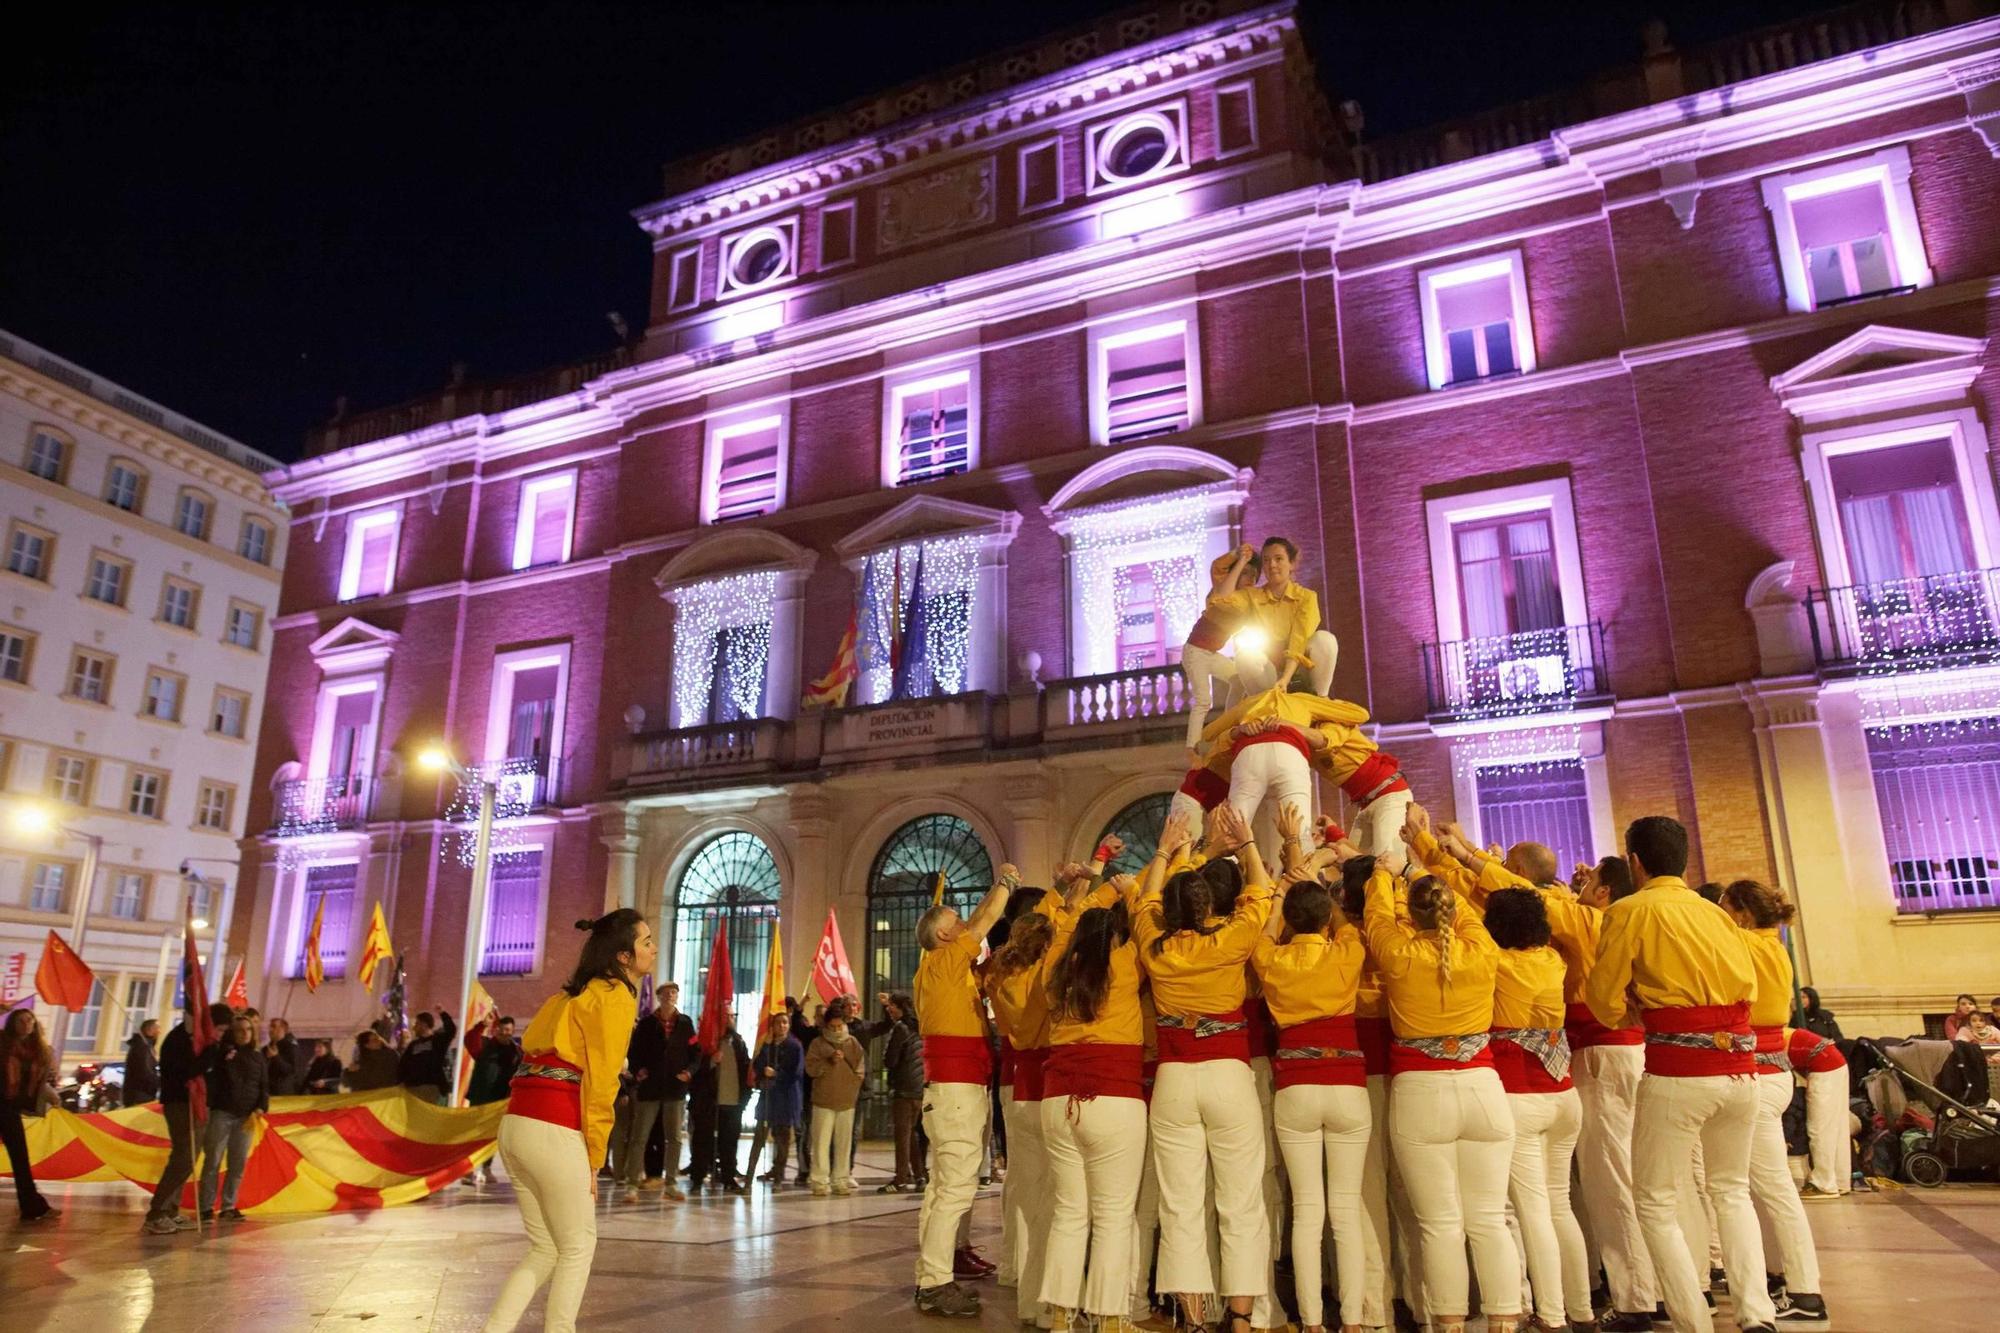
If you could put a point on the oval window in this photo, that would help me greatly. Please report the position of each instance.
(758, 260)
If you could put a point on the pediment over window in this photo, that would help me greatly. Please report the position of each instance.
(735, 551)
(1878, 368)
(1145, 472)
(925, 516)
(353, 645)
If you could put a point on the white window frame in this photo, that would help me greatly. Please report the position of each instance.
(678, 300)
(207, 503)
(1112, 334)
(544, 846)
(120, 567)
(1960, 428)
(1551, 498)
(725, 428)
(119, 879)
(146, 695)
(330, 695)
(783, 230)
(500, 704)
(544, 483)
(1247, 87)
(242, 700)
(168, 587)
(69, 880)
(840, 213)
(1888, 169)
(1093, 649)
(65, 453)
(229, 618)
(209, 788)
(1052, 144)
(1472, 752)
(899, 388)
(1505, 264)
(154, 794)
(251, 525)
(89, 778)
(27, 640)
(108, 662)
(299, 923)
(132, 470)
(1171, 118)
(358, 528)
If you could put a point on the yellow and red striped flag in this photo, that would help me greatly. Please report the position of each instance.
(376, 949)
(315, 969)
(774, 974)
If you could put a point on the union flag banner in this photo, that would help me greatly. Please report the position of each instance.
(831, 976)
(63, 978)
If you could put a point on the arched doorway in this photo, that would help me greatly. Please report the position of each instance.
(734, 878)
(1140, 825)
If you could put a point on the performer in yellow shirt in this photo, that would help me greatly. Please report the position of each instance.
(1287, 613)
(1021, 1012)
(1202, 660)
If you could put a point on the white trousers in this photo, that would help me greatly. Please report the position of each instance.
(1202, 669)
(1008, 1274)
(1453, 1133)
(1607, 1084)
(1826, 1130)
(1546, 1126)
(1672, 1117)
(551, 1172)
(1267, 1311)
(1378, 827)
(1378, 1283)
(1257, 671)
(1776, 1197)
(1145, 1235)
(1274, 769)
(955, 1117)
(833, 1149)
(1097, 1154)
(1323, 1134)
(1208, 1113)
(1027, 1208)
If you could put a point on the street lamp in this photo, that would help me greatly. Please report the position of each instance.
(437, 759)
(35, 820)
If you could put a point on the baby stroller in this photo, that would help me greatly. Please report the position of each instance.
(1946, 1124)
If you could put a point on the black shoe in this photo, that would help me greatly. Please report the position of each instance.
(1802, 1308)
(1626, 1321)
(1774, 1283)
(208, 1214)
(1757, 1328)
(1718, 1279)
(1405, 1321)
(232, 1215)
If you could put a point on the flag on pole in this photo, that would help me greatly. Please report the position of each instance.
(237, 996)
(315, 969)
(376, 947)
(831, 976)
(875, 648)
(830, 690)
(479, 1009)
(62, 978)
(13, 978)
(774, 975)
(913, 659)
(717, 992)
(201, 1028)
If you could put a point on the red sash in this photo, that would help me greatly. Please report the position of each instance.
(1006, 1062)
(1149, 1071)
(1521, 1071)
(1093, 1069)
(957, 1060)
(1283, 735)
(1584, 1030)
(1404, 1060)
(1334, 1033)
(1378, 775)
(1028, 1075)
(1374, 1036)
(552, 1101)
(1180, 1045)
(1705, 1061)
(1771, 1041)
(1262, 1031)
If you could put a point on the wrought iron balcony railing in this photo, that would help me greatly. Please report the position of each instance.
(309, 806)
(1533, 671)
(1906, 624)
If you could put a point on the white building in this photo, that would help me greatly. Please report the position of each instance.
(138, 575)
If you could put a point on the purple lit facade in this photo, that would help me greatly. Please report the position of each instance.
(1641, 467)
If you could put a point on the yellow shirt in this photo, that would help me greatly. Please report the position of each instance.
(1289, 617)
(1436, 860)
(1573, 926)
(946, 992)
(1528, 989)
(1194, 973)
(1334, 719)
(1021, 1007)
(590, 1031)
(1119, 1021)
(1773, 965)
(1311, 977)
(1674, 947)
(1421, 1003)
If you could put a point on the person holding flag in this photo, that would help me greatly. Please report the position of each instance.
(183, 1094)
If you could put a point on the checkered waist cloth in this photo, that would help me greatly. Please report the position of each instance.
(1778, 1060)
(553, 1073)
(1548, 1045)
(1731, 1043)
(1201, 1025)
(1317, 1053)
(1452, 1050)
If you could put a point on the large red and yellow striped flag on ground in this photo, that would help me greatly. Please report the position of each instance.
(315, 969)
(376, 948)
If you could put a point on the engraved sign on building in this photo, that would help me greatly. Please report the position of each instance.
(940, 204)
(896, 726)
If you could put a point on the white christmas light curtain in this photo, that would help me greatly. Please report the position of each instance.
(743, 603)
(1168, 536)
(950, 573)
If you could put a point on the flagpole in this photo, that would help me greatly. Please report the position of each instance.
(79, 926)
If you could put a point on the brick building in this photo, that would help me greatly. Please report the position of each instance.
(1636, 438)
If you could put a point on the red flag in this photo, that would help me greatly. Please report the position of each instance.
(201, 1028)
(831, 976)
(717, 992)
(237, 996)
(63, 978)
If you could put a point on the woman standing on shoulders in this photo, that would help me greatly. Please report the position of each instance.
(558, 1120)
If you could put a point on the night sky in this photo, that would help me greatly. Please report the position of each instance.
(243, 212)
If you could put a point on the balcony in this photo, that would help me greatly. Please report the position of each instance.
(308, 807)
(1125, 700)
(1921, 624)
(726, 749)
(1535, 671)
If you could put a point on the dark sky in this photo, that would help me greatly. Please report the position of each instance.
(243, 212)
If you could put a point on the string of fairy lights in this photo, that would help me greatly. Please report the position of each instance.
(743, 604)
(950, 579)
(1164, 536)
(1905, 632)
(515, 783)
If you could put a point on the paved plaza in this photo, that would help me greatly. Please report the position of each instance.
(1899, 1260)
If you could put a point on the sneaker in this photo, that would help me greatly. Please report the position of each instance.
(739, 1187)
(651, 1183)
(208, 1214)
(182, 1222)
(232, 1215)
(1774, 1283)
(891, 1188)
(160, 1226)
(1626, 1321)
(46, 1215)
(819, 1191)
(1718, 1279)
(676, 1193)
(1757, 1328)
(1813, 1192)
(949, 1300)
(1802, 1307)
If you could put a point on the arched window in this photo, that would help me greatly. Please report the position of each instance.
(902, 882)
(732, 878)
(1139, 824)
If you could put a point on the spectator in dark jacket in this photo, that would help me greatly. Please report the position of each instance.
(715, 1110)
(375, 1064)
(282, 1054)
(779, 1070)
(425, 1068)
(496, 1054)
(662, 1060)
(323, 1074)
(177, 1069)
(142, 1065)
(239, 1086)
(804, 1031)
(903, 1060)
(1816, 1017)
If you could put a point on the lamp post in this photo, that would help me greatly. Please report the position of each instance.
(437, 759)
(35, 819)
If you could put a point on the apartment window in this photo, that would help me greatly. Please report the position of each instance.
(48, 455)
(163, 696)
(1507, 577)
(1939, 802)
(138, 1003)
(108, 579)
(333, 886)
(211, 806)
(543, 525)
(192, 513)
(69, 779)
(128, 895)
(1040, 166)
(255, 542)
(242, 624)
(513, 915)
(368, 568)
(202, 896)
(937, 581)
(1143, 637)
(1235, 119)
(48, 886)
(1140, 147)
(1547, 801)
(1902, 515)
(83, 1024)
(759, 258)
(124, 486)
(28, 551)
(930, 432)
(16, 653)
(90, 677)
(684, 278)
(836, 234)
(231, 710)
(177, 603)
(1146, 379)
(1847, 230)
(147, 795)
(1475, 318)
(746, 467)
